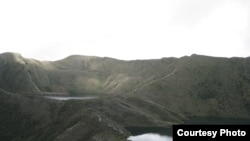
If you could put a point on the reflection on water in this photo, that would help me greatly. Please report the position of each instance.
(150, 137)
(71, 97)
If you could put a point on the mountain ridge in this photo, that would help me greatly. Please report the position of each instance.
(203, 78)
(138, 93)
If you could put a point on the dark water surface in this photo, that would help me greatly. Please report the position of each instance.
(215, 120)
(138, 130)
(150, 133)
(165, 133)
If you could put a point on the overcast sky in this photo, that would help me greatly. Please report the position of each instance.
(125, 29)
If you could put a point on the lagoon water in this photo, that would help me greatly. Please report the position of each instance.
(139, 135)
(71, 97)
(150, 137)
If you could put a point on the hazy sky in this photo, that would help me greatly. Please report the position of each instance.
(125, 29)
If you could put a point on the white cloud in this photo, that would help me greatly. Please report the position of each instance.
(131, 29)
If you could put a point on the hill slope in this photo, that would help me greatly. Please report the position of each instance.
(205, 86)
(104, 119)
(150, 93)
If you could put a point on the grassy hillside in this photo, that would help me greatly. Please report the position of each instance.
(37, 118)
(205, 86)
(156, 92)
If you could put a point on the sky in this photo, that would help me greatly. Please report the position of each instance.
(125, 29)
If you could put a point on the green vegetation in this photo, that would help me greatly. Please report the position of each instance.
(37, 118)
(153, 93)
